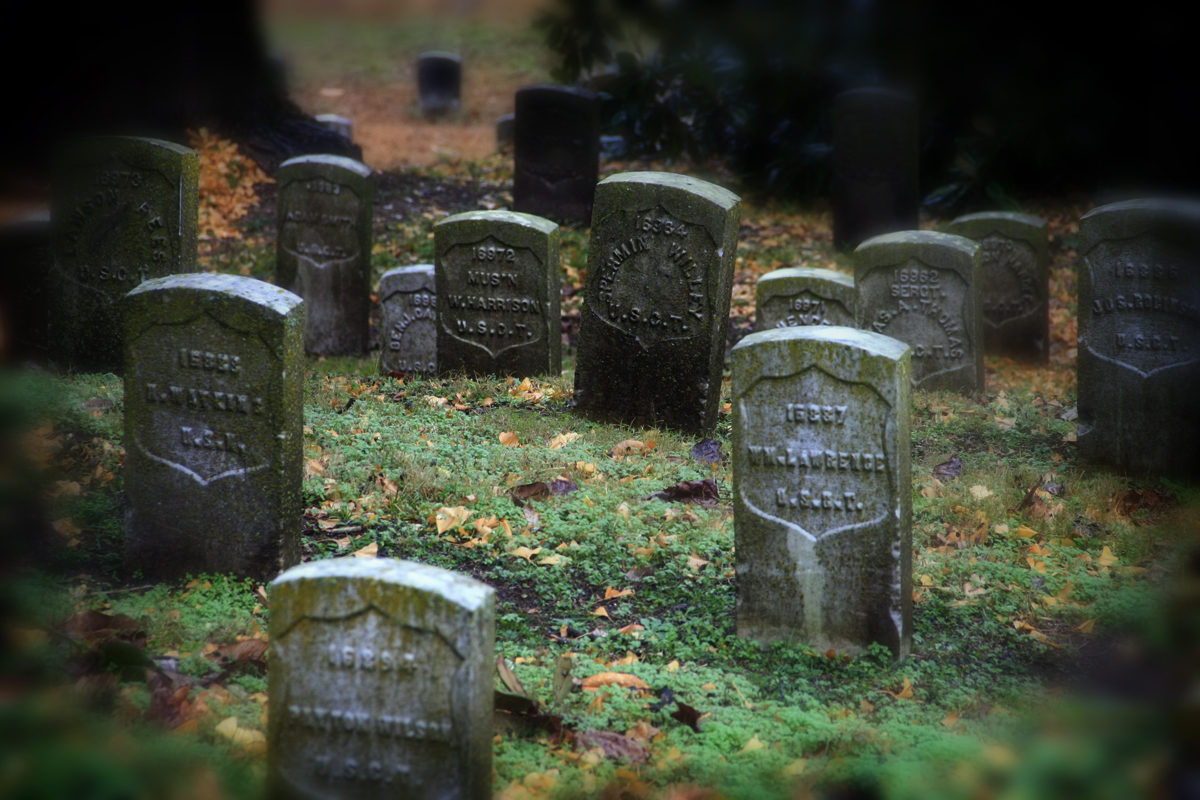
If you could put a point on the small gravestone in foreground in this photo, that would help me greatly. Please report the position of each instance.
(506, 130)
(656, 314)
(556, 155)
(498, 294)
(380, 682)
(25, 264)
(799, 296)
(324, 248)
(124, 210)
(1139, 338)
(439, 82)
(213, 426)
(875, 165)
(1016, 282)
(339, 125)
(923, 289)
(822, 489)
(408, 310)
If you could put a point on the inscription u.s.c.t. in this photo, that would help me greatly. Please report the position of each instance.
(816, 454)
(492, 300)
(319, 223)
(654, 269)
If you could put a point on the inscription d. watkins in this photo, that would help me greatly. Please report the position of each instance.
(817, 454)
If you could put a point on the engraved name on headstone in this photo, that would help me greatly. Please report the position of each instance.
(822, 492)
(875, 165)
(323, 252)
(124, 210)
(339, 125)
(1016, 282)
(656, 313)
(25, 264)
(408, 310)
(798, 296)
(499, 295)
(1139, 337)
(556, 155)
(439, 82)
(213, 426)
(380, 682)
(923, 289)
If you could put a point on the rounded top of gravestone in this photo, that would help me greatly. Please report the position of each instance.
(811, 273)
(868, 341)
(461, 590)
(261, 293)
(118, 141)
(406, 279)
(557, 88)
(440, 55)
(902, 243)
(718, 195)
(983, 217)
(1178, 218)
(506, 118)
(334, 118)
(510, 217)
(412, 269)
(32, 218)
(357, 167)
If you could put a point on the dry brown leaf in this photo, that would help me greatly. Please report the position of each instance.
(623, 679)
(509, 439)
(370, 551)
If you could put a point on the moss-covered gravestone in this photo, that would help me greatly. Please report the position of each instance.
(876, 157)
(213, 426)
(380, 682)
(439, 82)
(556, 152)
(798, 296)
(343, 126)
(1016, 282)
(924, 289)
(656, 313)
(408, 309)
(498, 294)
(1139, 338)
(124, 210)
(25, 264)
(323, 251)
(822, 494)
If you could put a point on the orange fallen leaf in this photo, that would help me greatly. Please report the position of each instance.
(509, 439)
(370, 551)
(951, 719)
(610, 593)
(623, 679)
(1087, 626)
(600, 611)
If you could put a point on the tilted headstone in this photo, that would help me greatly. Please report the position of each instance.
(656, 310)
(214, 389)
(923, 289)
(556, 153)
(876, 152)
(499, 301)
(408, 310)
(439, 82)
(324, 248)
(1016, 281)
(380, 682)
(339, 125)
(25, 264)
(506, 129)
(124, 210)
(1139, 338)
(822, 491)
(797, 296)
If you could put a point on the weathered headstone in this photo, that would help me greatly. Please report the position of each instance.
(337, 124)
(822, 488)
(124, 210)
(923, 289)
(380, 682)
(439, 82)
(408, 310)
(1016, 281)
(324, 248)
(214, 389)
(498, 294)
(656, 301)
(556, 154)
(796, 296)
(1139, 338)
(25, 264)
(876, 154)
(506, 129)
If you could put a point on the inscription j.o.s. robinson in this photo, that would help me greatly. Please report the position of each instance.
(496, 306)
(816, 456)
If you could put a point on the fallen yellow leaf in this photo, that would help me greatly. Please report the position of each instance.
(795, 768)
(1107, 559)
(1087, 626)
(754, 744)
(980, 492)
(448, 518)
(370, 551)
(525, 553)
(554, 560)
(610, 593)
(600, 611)
(1026, 532)
(623, 679)
(951, 719)
(562, 440)
(509, 439)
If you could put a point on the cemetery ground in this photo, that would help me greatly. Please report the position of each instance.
(1050, 602)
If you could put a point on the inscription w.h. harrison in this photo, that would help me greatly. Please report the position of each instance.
(496, 306)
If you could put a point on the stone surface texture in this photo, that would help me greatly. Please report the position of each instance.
(876, 158)
(822, 489)
(337, 124)
(1016, 282)
(25, 264)
(923, 289)
(506, 130)
(656, 301)
(213, 426)
(323, 252)
(798, 296)
(1139, 338)
(380, 682)
(556, 152)
(499, 298)
(408, 328)
(439, 82)
(124, 210)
